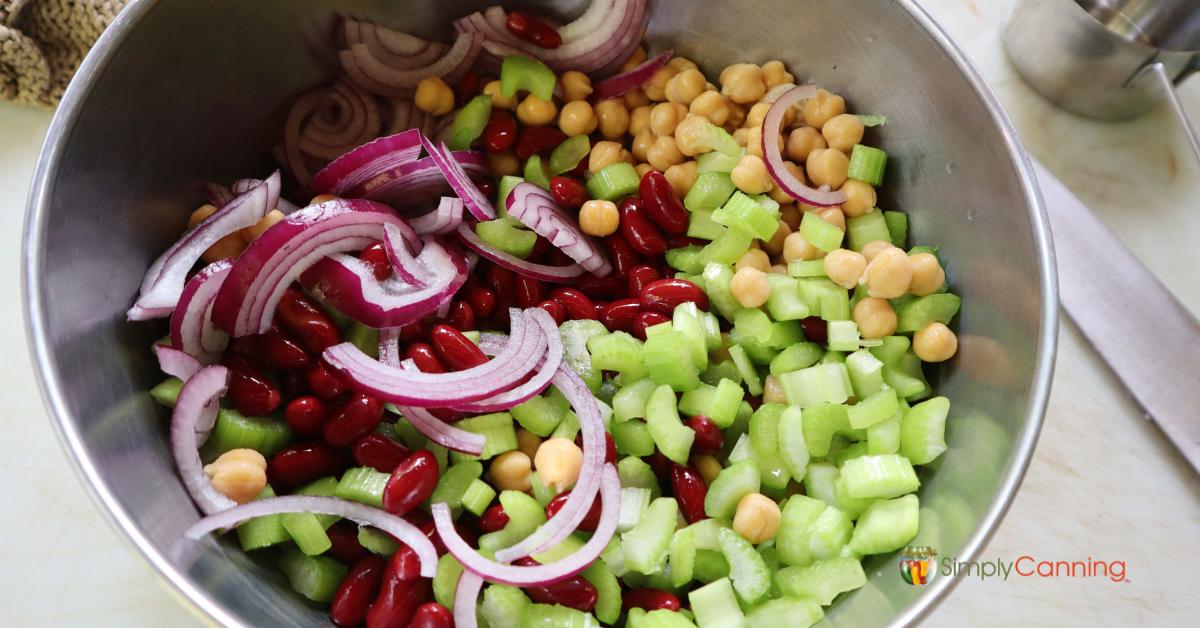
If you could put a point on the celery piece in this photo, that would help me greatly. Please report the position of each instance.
(842, 336)
(886, 475)
(364, 485)
(785, 302)
(880, 406)
(614, 558)
(712, 329)
(923, 430)
(665, 618)
(478, 497)
(749, 374)
(745, 213)
(315, 577)
(710, 565)
(820, 482)
(568, 428)
(614, 182)
(716, 286)
(646, 545)
(454, 482)
(702, 225)
(823, 383)
(261, 532)
(820, 423)
(167, 392)
(917, 313)
(497, 427)
(741, 450)
(547, 616)
(727, 248)
(753, 324)
(634, 501)
(565, 548)
(829, 533)
(619, 352)
(719, 371)
(764, 445)
(608, 591)
(709, 192)
(535, 172)
(445, 581)
(377, 541)
(749, 573)
(685, 259)
(519, 73)
(906, 377)
(569, 153)
(821, 582)
(897, 224)
(308, 529)
(800, 355)
(730, 486)
(671, 436)
(632, 438)
(717, 161)
(884, 436)
(866, 373)
(724, 403)
(575, 336)
(635, 473)
(820, 233)
(716, 606)
(807, 268)
(366, 339)
(542, 492)
(661, 355)
(867, 164)
(525, 514)
(792, 447)
(686, 320)
(892, 349)
(887, 525)
(504, 606)
(469, 122)
(266, 435)
(789, 611)
(793, 538)
(697, 400)
(539, 415)
(508, 238)
(681, 556)
(630, 400)
(503, 188)
(867, 228)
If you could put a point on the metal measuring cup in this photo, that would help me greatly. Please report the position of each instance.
(1107, 59)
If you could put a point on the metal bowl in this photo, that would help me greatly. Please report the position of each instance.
(177, 93)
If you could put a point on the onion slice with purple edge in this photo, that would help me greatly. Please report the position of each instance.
(558, 274)
(164, 281)
(411, 270)
(443, 433)
(394, 48)
(363, 166)
(466, 600)
(787, 182)
(176, 363)
(389, 346)
(495, 344)
(404, 531)
(375, 76)
(540, 575)
(192, 419)
(462, 185)
(192, 329)
(417, 183)
(536, 209)
(446, 218)
(624, 82)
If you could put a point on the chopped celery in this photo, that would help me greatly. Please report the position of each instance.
(539, 415)
(454, 483)
(727, 248)
(710, 566)
(569, 153)
(635, 473)
(866, 228)
(608, 591)
(568, 428)
(789, 611)
(785, 302)
(716, 606)
(709, 192)
(823, 383)
(308, 529)
(793, 538)
(792, 447)
(741, 450)
(504, 606)
(716, 161)
(445, 581)
(897, 224)
(575, 336)
(719, 404)
(497, 427)
(880, 406)
(866, 373)
(619, 352)
(923, 430)
(661, 357)
(535, 172)
(525, 514)
(261, 532)
(315, 577)
(542, 492)
(630, 401)
(820, 482)
(764, 444)
(857, 449)
(747, 214)
(749, 374)
(377, 541)
(702, 225)
(842, 336)
(753, 324)
(885, 475)
(906, 377)
(685, 259)
(167, 392)
(730, 486)
(506, 237)
(917, 313)
(887, 525)
(634, 501)
(822, 581)
(614, 182)
(478, 497)
(526, 73)
(664, 618)
(720, 371)
(686, 320)
(749, 573)
(547, 616)
(646, 545)
(820, 423)
(364, 485)
(266, 435)
(681, 556)
(867, 164)
(469, 122)
(503, 188)
(632, 438)
(819, 233)
(884, 437)
(671, 436)
(807, 268)
(800, 355)
(366, 339)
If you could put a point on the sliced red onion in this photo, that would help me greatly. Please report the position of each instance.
(536, 209)
(192, 329)
(394, 48)
(559, 274)
(164, 281)
(443, 433)
(445, 219)
(626, 81)
(376, 77)
(192, 419)
(362, 514)
(540, 575)
(361, 166)
(246, 302)
(356, 120)
(771, 126)
(218, 195)
(537, 383)
(472, 198)
(408, 269)
(466, 600)
(389, 346)
(176, 363)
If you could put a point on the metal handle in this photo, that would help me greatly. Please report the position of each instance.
(1159, 72)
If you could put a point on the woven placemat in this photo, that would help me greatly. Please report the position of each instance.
(42, 43)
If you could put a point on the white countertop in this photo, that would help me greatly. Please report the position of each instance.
(1104, 483)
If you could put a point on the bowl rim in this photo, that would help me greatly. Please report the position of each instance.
(203, 605)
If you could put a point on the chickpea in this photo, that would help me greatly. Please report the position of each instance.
(749, 286)
(251, 233)
(322, 198)
(499, 100)
(577, 118)
(754, 141)
(227, 247)
(743, 83)
(776, 245)
(737, 114)
(664, 117)
(860, 197)
(642, 169)
(534, 111)
(528, 442)
(680, 64)
(777, 194)
(758, 113)
(822, 108)
(754, 258)
(635, 98)
(626, 157)
(558, 461)
(664, 153)
(575, 85)
(757, 518)
(875, 247)
(656, 87)
(792, 215)
(802, 142)
(599, 218)
(843, 132)
(845, 267)
(692, 136)
(741, 136)
(833, 216)
(603, 154)
(875, 317)
(828, 167)
(201, 214)
(775, 74)
(637, 58)
(639, 119)
(708, 466)
(434, 96)
(751, 176)
(510, 471)
(684, 87)
(935, 343)
(642, 143)
(239, 474)
(681, 177)
(711, 105)
(928, 275)
(796, 247)
(779, 269)
(773, 390)
(614, 118)
(504, 163)
(889, 274)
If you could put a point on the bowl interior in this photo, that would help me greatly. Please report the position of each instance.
(181, 93)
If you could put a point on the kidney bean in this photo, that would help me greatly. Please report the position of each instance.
(532, 30)
(590, 520)
(640, 276)
(690, 490)
(555, 310)
(379, 452)
(623, 256)
(568, 192)
(574, 592)
(556, 257)
(680, 241)
(493, 519)
(461, 316)
(432, 615)
(661, 204)
(305, 415)
(357, 416)
(815, 329)
(323, 383)
(541, 246)
(660, 464)
(650, 600)
(538, 140)
(501, 280)
(245, 347)
(598, 308)
(577, 305)
(638, 231)
(610, 447)
(280, 351)
(610, 286)
(301, 463)
(401, 593)
(376, 256)
(500, 133)
(709, 437)
(425, 524)
(356, 592)
(307, 321)
(664, 295)
(414, 331)
(621, 314)
(486, 186)
(424, 357)
(412, 482)
(250, 391)
(467, 87)
(529, 292)
(647, 319)
(293, 384)
(454, 349)
(482, 300)
(344, 545)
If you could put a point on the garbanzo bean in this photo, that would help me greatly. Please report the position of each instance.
(503, 163)
(741, 136)
(201, 214)
(860, 197)
(510, 471)
(758, 113)
(791, 214)
(637, 58)
(635, 98)
(828, 167)
(252, 232)
(773, 390)
(749, 286)
(802, 142)
(528, 442)
(603, 154)
(737, 114)
(656, 87)
(613, 118)
(757, 518)
(664, 153)
(639, 119)
(684, 87)
(577, 118)
(928, 275)
(227, 247)
(557, 462)
(680, 64)
(750, 175)
(875, 247)
(434, 96)
(681, 177)
(875, 317)
(889, 274)
(795, 247)
(599, 218)
(935, 343)
(845, 267)
(833, 216)
(776, 245)
(575, 85)
(708, 466)
(239, 474)
(822, 108)
(843, 132)
(754, 258)
(775, 74)
(692, 136)
(665, 116)
(534, 111)
(743, 83)
(711, 105)
(499, 100)
(642, 169)
(322, 198)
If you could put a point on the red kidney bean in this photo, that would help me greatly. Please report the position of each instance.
(680, 241)
(250, 391)
(501, 280)
(661, 204)
(412, 482)
(529, 292)
(638, 231)
(659, 463)
(541, 246)
(432, 615)
(610, 447)
(709, 437)
(598, 308)
(307, 321)
(815, 329)
(690, 490)
(359, 415)
(555, 309)
(467, 87)
(305, 415)
(574, 592)
(640, 276)
(621, 314)
(356, 592)
(402, 591)
(580, 170)
(577, 305)
(532, 30)
(623, 256)
(590, 520)
(424, 357)
(486, 186)
(344, 545)
(302, 463)
(376, 256)
(538, 140)
(454, 349)
(323, 383)
(650, 600)
(413, 332)
(461, 316)
(425, 524)
(379, 452)
(500, 133)
(293, 384)
(482, 300)
(610, 286)
(244, 347)
(494, 518)
(281, 352)
(664, 295)
(648, 319)
(568, 192)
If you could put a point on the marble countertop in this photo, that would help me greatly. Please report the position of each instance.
(1104, 482)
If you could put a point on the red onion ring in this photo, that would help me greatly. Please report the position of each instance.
(193, 417)
(218, 195)
(359, 124)
(394, 48)
(408, 269)
(536, 209)
(389, 346)
(164, 281)
(558, 274)
(377, 77)
(443, 433)
(176, 363)
(626, 81)
(537, 383)
(466, 600)
(362, 514)
(772, 124)
(192, 329)
(472, 198)
(445, 219)
(358, 168)
(418, 182)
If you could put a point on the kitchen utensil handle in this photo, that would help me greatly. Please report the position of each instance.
(1159, 72)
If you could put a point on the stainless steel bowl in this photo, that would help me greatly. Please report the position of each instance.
(177, 93)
